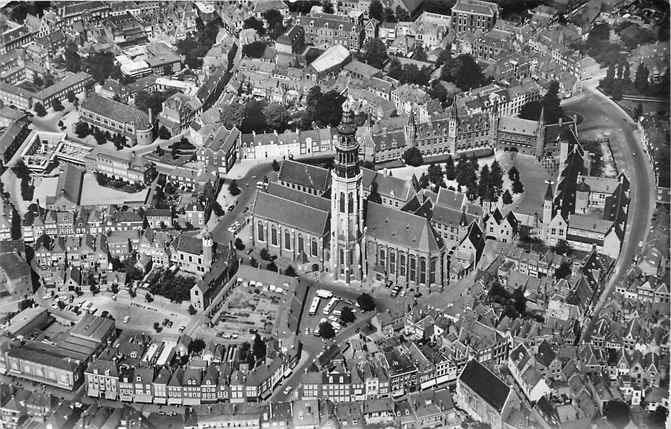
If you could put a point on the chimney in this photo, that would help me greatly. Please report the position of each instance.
(151, 116)
(560, 121)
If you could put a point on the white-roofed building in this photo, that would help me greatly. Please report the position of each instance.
(331, 61)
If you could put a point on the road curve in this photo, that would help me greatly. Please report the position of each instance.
(599, 111)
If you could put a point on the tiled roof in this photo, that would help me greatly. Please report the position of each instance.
(485, 384)
(70, 183)
(115, 110)
(305, 175)
(189, 244)
(399, 227)
(304, 198)
(388, 186)
(291, 213)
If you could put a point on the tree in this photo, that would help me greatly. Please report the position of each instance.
(275, 20)
(40, 110)
(232, 115)
(272, 266)
(265, 255)
(196, 346)
(102, 65)
(641, 78)
(290, 271)
(617, 413)
(375, 10)
(463, 71)
(82, 129)
(551, 104)
(531, 110)
(435, 174)
(507, 198)
(72, 97)
(402, 14)
(253, 262)
(438, 91)
(366, 302)
(254, 118)
(276, 116)
(450, 171)
(395, 69)
(347, 315)
(192, 310)
(513, 174)
(419, 53)
(563, 271)
(326, 330)
(518, 188)
(562, 247)
(73, 62)
(254, 49)
(37, 80)
(327, 7)
(376, 53)
(423, 181)
(233, 188)
(239, 244)
(259, 348)
(148, 297)
(163, 133)
(496, 177)
(466, 173)
(388, 15)
(412, 156)
(255, 24)
(638, 111)
(484, 182)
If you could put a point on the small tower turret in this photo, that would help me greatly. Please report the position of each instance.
(547, 211)
(208, 246)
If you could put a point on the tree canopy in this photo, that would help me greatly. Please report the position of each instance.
(375, 53)
(366, 302)
(463, 71)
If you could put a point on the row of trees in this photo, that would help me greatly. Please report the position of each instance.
(618, 80)
(487, 185)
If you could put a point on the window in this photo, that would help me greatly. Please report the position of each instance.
(392, 262)
(287, 240)
(554, 231)
(350, 204)
(432, 270)
(422, 270)
(383, 258)
(259, 229)
(401, 259)
(300, 243)
(273, 235)
(313, 247)
(342, 202)
(413, 267)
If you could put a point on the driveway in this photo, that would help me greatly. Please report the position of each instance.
(598, 111)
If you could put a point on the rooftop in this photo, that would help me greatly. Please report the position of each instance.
(117, 111)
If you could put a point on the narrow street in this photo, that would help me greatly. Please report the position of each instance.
(598, 111)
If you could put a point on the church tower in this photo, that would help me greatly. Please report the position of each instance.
(346, 203)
